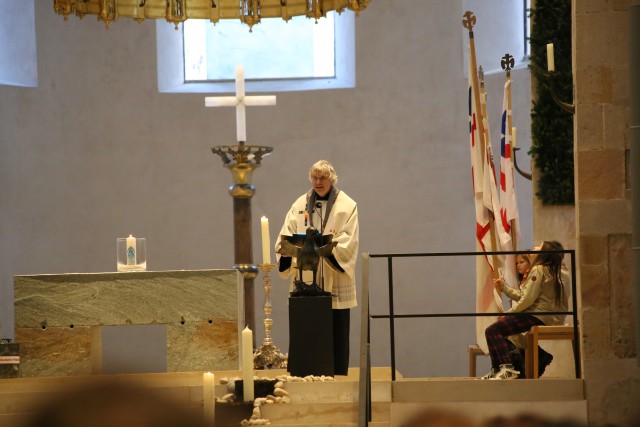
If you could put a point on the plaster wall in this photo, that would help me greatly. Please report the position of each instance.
(95, 153)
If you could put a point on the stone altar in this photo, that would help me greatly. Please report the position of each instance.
(60, 319)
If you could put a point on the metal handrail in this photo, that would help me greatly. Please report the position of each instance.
(365, 341)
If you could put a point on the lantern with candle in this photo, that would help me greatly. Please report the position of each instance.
(131, 253)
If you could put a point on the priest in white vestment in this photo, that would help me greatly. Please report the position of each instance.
(331, 211)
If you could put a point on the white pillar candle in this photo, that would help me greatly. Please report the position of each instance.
(551, 66)
(241, 127)
(513, 137)
(241, 123)
(209, 394)
(266, 241)
(131, 250)
(247, 364)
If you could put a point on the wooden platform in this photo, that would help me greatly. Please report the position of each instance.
(335, 404)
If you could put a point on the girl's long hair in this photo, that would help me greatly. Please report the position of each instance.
(553, 262)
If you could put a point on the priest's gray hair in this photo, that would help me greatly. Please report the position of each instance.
(324, 169)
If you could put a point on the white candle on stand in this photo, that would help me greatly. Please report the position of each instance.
(266, 252)
(513, 137)
(551, 66)
(209, 394)
(241, 129)
(131, 250)
(247, 364)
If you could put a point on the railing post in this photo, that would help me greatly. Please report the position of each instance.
(574, 309)
(364, 403)
(392, 326)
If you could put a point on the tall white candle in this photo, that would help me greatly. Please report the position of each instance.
(241, 126)
(247, 364)
(551, 66)
(266, 241)
(241, 123)
(209, 394)
(131, 250)
(513, 137)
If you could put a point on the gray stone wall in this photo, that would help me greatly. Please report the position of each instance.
(603, 208)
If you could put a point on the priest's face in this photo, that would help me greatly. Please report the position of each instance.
(321, 184)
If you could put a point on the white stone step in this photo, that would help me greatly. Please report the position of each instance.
(471, 390)
(480, 412)
(312, 414)
(339, 391)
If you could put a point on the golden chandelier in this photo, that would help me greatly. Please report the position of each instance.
(248, 11)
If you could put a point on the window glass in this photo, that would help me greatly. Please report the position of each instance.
(274, 49)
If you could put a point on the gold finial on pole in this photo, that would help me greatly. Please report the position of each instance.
(507, 63)
(469, 21)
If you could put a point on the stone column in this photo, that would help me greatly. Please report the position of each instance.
(603, 208)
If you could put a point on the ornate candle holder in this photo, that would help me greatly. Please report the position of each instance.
(242, 160)
(268, 355)
(569, 108)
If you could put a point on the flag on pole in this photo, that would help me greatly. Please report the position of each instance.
(486, 300)
(508, 201)
(509, 219)
(490, 187)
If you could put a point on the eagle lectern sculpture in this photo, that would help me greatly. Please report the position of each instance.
(308, 249)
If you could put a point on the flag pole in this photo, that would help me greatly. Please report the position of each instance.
(507, 65)
(468, 22)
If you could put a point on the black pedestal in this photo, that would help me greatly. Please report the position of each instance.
(310, 336)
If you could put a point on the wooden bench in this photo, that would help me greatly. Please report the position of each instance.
(539, 333)
(474, 352)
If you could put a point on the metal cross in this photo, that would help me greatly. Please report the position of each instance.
(507, 62)
(469, 20)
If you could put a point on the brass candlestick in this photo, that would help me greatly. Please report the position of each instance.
(268, 355)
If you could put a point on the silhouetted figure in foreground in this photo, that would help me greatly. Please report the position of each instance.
(112, 404)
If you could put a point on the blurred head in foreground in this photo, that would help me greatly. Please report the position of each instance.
(438, 418)
(111, 404)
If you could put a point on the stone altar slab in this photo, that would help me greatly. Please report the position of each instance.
(59, 318)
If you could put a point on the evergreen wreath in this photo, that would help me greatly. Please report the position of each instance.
(552, 127)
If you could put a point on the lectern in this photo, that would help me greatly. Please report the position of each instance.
(310, 336)
(310, 313)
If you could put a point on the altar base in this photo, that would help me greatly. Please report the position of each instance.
(80, 324)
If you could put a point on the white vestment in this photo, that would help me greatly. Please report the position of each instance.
(342, 222)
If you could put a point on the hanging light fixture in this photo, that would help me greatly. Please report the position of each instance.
(176, 11)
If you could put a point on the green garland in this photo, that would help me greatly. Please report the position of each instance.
(552, 127)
